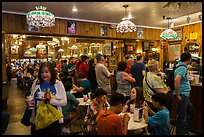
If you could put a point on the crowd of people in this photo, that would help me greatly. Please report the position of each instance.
(136, 84)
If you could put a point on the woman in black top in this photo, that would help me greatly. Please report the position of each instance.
(92, 74)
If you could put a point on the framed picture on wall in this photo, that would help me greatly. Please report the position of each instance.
(86, 49)
(104, 31)
(28, 53)
(174, 51)
(95, 50)
(33, 28)
(14, 50)
(71, 27)
(112, 60)
(107, 49)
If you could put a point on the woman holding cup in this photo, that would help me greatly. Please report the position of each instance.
(47, 88)
(132, 102)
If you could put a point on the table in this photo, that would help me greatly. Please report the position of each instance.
(133, 125)
(82, 103)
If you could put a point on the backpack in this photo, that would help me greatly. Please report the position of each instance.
(170, 77)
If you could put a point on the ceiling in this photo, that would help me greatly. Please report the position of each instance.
(144, 13)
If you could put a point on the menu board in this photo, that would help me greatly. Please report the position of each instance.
(174, 51)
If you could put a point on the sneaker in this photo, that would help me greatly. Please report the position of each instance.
(66, 130)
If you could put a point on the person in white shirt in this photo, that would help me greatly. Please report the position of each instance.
(102, 74)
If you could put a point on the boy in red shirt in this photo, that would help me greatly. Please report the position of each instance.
(109, 122)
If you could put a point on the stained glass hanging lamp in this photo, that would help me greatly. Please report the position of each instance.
(40, 17)
(168, 33)
(126, 25)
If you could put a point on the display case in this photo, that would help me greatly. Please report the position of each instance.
(193, 48)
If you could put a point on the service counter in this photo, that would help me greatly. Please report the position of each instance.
(196, 100)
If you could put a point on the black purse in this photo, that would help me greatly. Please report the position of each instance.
(26, 117)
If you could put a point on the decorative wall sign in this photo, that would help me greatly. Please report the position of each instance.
(72, 28)
(33, 28)
(104, 30)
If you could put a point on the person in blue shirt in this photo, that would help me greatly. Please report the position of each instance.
(159, 121)
(64, 68)
(138, 71)
(185, 110)
(85, 85)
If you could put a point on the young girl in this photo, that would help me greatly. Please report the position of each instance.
(133, 100)
(57, 97)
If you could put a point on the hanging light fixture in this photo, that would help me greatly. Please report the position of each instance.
(126, 25)
(40, 17)
(60, 50)
(168, 33)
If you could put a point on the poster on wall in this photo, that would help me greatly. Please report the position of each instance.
(104, 30)
(140, 32)
(107, 49)
(33, 28)
(71, 27)
(174, 51)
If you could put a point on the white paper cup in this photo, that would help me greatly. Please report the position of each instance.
(85, 98)
(30, 102)
(41, 95)
(196, 79)
(89, 95)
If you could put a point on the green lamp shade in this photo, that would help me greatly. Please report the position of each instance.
(168, 34)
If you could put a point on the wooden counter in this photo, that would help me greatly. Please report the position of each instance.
(196, 100)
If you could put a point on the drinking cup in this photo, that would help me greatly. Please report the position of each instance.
(85, 98)
(41, 95)
(30, 102)
(132, 107)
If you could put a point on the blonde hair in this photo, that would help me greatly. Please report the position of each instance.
(152, 65)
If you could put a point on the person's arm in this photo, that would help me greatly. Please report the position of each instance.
(124, 109)
(128, 77)
(143, 72)
(60, 97)
(106, 72)
(177, 86)
(73, 99)
(80, 89)
(161, 90)
(125, 123)
(145, 108)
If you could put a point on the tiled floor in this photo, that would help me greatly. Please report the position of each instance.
(16, 107)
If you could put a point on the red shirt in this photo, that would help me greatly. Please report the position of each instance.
(84, 68)
(128, 69)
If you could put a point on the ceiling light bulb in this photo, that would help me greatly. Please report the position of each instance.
(74, 10)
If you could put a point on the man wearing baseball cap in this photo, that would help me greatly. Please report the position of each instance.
(102, 74)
